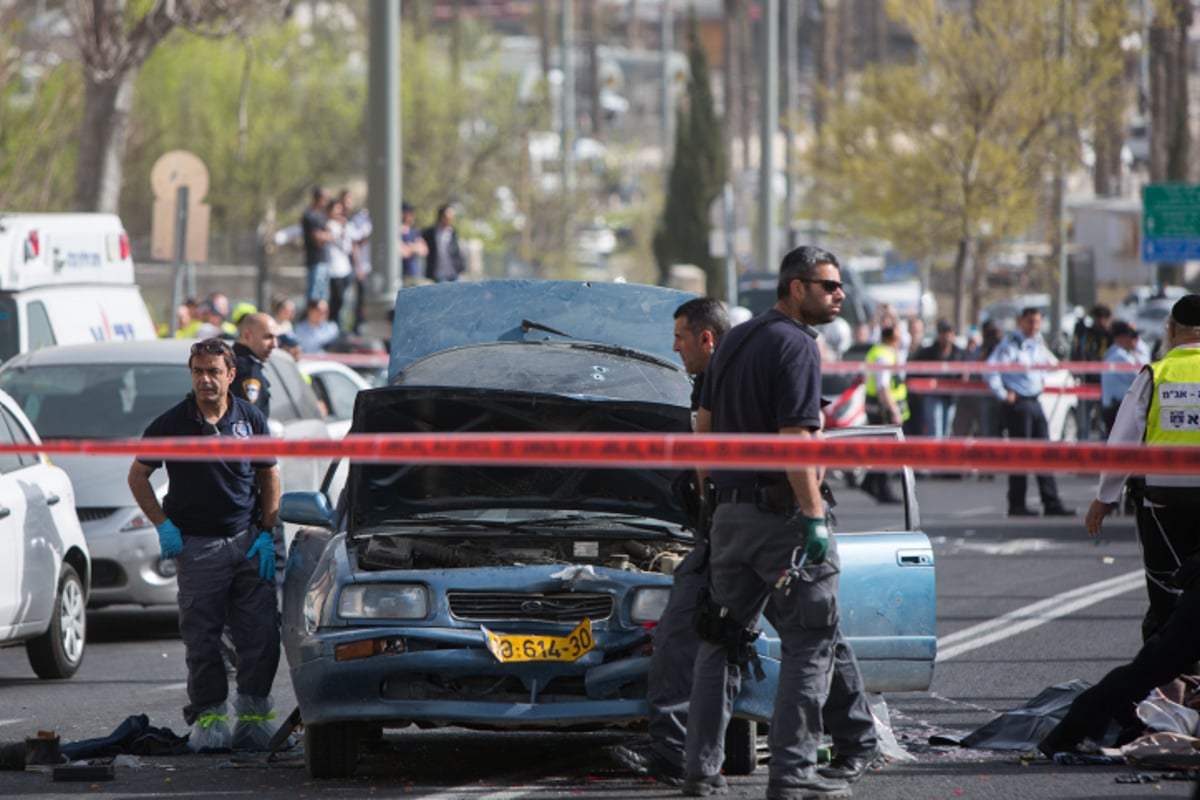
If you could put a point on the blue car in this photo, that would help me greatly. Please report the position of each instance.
(522, 597)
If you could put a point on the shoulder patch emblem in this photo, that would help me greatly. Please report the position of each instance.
(251, 387)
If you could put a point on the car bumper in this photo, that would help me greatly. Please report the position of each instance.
(127, 568)
(466, 685)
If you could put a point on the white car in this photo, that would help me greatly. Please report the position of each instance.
(110, 390)
(45, 567)
(336, 385)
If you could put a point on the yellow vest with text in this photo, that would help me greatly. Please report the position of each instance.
(886, 354)
(1174, 415)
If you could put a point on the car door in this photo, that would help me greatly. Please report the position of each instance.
(12, 542)
(47, 508)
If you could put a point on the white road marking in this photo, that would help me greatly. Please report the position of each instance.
(170, 687)
(1010, 547)
(980, 511)
(4, 722)
(1036, 614)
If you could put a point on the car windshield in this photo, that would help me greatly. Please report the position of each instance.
(101, 401)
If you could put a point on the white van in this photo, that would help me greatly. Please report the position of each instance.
(67, 279)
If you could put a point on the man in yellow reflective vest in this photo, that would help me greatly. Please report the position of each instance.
(887, 403)
(1162, 408)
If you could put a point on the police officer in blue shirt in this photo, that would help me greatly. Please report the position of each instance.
(1023, 415)
(226, 567)
(258, 336)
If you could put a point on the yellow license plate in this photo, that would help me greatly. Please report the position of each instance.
(518, 647)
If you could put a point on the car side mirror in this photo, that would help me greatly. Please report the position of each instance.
(307, 508)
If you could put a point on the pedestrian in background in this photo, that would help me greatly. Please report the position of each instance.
(444, 261)
(283, 309)
(413, 249)
(1091, 343)
(341, 266)
(316, 240)
(1126, 348)
(765, 377)
(1162, 409)
(1021, 392)
(316, 329)
(225, 566)
(938, 409)
(887, 404)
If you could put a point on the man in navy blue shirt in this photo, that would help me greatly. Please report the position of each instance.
(765, 377)
(226, 566)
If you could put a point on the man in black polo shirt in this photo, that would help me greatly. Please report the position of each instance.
(258, 336)
(226, 567)
(766, 378)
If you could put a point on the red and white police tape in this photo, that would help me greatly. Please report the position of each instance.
(662, 450)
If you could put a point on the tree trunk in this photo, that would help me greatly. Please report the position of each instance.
(961, 313)
(105, 130)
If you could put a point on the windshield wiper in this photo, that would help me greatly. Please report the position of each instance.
(528, 325)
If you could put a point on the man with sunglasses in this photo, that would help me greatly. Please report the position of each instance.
(769, 538)
(699, 326)
(225, 566)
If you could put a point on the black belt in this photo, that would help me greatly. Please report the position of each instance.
(738, 494)
(1027, 396)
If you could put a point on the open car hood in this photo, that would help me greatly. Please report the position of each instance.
(442, 316)
(383, 495)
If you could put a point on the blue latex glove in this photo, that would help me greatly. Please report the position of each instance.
(264, 548)
(170, 540)
(816, 544)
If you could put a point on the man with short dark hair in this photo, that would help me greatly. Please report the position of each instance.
(225, 566)
(766, 378)
(1023, 414)
(444, 261)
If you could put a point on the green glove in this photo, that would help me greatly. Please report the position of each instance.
(816, 543)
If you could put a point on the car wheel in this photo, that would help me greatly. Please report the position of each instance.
(741, 747)
(58, 652)
(330, 749)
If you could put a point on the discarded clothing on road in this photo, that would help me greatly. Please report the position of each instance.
(135, 735)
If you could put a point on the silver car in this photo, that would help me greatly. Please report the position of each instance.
(44, 563)
(112, 390)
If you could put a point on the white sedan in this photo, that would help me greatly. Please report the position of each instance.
(336, 385)
(45, 566)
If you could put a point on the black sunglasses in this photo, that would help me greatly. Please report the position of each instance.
(214, 347)
(829, 286)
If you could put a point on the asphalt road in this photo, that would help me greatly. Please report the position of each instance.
(1022, 605)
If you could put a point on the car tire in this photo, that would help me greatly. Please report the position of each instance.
(58, 652)
(330, 749)
(741, 747)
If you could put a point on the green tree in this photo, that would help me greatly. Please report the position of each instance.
(953, 153)
(114, 38)
(697, 173)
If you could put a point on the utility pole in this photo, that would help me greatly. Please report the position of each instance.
(383, 141)
(769, 100)
(791, 82)
(568, 96)
(668, 110)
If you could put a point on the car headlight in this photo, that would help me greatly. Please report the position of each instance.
(648, 603)
(137, 522)
(383, 601)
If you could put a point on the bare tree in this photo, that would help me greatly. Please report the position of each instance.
(114, 42)
(1169, 93)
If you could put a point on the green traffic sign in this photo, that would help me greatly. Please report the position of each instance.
(1170, 222)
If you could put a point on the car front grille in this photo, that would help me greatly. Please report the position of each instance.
(92, 514)
(563, 607)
